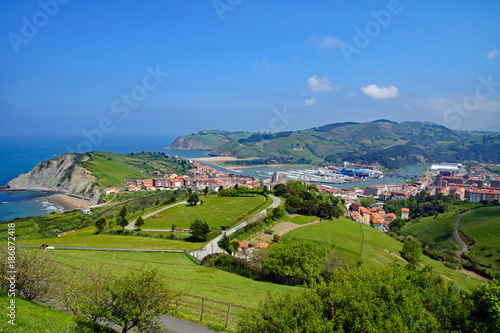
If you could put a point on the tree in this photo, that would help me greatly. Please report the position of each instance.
(485, 307)
(139, 223)
(335, 200)
(327, 211)
(172, 199)
(84, 292)
(193, 199)
(137, 299)
(157, 202)
(205, 190)
(122, 222)
(33, 273)
(190, 191)
(412, 250)
(224, 243)
(100, 224)
(367, 201)
(450, 227)
(295, 263)
(123, 212)
(397, 224)
(199, 230)
(389, 299)
(287, 312)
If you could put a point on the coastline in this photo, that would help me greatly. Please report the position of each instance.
(66, 201)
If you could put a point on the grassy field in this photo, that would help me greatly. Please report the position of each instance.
(483, 225)
(299, 219)
(116, 242)
(216, 211)
(216, 286)
(355, 240)
(429, 229)
(32, 317)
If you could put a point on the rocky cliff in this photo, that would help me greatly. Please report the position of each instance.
(184, 143)
(59, 174)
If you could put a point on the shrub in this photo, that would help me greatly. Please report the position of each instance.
(269, 232)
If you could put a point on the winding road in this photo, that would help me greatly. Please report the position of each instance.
(463, 247)
(207, 249)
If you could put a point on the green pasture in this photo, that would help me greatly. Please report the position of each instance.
(354, 240)
(216, 211)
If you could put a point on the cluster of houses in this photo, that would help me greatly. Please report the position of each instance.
(375, 215)
(199, 178)
(467, 186)
(446, 179)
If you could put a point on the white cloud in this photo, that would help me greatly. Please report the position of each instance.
(492, 54)
(310, 101)
(325, 41)
(377, 92)
(322, 84)
(351, 94)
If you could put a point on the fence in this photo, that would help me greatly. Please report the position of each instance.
(208, 311)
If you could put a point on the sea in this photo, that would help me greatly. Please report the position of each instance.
(20, 155)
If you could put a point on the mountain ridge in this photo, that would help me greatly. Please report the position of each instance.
(386, 143)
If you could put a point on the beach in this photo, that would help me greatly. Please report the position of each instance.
(67, 202)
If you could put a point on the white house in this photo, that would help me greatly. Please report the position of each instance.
(110, 190)
(85, 210)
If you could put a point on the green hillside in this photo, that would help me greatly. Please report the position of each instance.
(482, 229)
(390, 144)
(430, 229)
(196, 281)
(112, 169)
(358, 241)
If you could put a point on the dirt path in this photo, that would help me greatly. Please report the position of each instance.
(279, 229)
(473, 275)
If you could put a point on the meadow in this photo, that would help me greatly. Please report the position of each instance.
(216, 211)
(356, 241)
(33, 317)
(483, 225)
(217, 287)
(430, 229)
(115, 242)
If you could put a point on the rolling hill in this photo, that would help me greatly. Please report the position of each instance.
(383, 142)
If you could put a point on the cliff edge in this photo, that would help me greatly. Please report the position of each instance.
(184, 143)
(59, 174)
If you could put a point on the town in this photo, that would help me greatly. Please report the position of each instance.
(474, 184)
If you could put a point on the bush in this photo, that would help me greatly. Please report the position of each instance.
(450, 265)
(269, 232)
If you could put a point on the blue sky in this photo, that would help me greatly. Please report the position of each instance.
(245, 65)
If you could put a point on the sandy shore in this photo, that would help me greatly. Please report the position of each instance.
(214, 159)
(68, 202)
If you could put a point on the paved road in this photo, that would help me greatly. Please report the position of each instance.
(207, 249)
(176, 325)
(463, 247)
(131, 224)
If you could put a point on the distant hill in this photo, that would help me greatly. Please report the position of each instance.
(388, 144)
